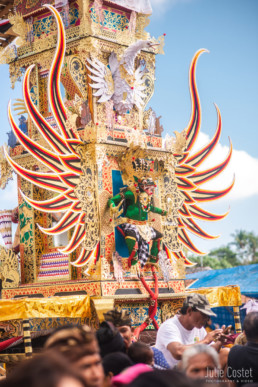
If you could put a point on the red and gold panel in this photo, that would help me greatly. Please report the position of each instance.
(115, 289)
(92, 288)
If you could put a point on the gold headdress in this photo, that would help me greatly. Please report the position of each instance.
(135, 165)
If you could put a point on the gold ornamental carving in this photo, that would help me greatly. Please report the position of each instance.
(9, 272)
(6, 172)
(19, 26)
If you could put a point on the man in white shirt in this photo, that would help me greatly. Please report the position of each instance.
(176, 334)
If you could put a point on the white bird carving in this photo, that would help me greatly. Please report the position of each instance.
(119, 80)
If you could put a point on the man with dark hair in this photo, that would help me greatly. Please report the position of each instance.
(176, 334)
(122, 321)
(251, 326)
(243, 359)
(109, 339)
(79, 347)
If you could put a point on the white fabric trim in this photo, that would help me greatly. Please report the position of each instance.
(141, 6)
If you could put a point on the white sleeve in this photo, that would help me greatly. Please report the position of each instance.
(170, 334)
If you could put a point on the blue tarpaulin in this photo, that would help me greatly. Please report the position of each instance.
(244, 276)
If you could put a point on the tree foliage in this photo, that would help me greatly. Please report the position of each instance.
(243, 250)
(246, 245)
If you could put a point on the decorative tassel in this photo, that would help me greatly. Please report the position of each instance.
(30, 32)
(165, 265)
(109, 114)
(66, 15)
(118, 267)
(98, 4)
(132, 23)
(6, 227)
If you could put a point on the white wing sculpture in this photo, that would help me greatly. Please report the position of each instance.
(119, 80)
(102, 77)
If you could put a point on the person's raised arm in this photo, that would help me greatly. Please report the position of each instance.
(177, 349)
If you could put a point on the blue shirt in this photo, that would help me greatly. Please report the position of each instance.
(159, 359)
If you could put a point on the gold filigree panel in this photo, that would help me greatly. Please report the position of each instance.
(170, 308)
(9, 268)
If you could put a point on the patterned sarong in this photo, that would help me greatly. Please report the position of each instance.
(143, 235)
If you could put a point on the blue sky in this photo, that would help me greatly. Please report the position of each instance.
(227, 76)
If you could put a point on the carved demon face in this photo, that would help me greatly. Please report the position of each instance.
(147, 185)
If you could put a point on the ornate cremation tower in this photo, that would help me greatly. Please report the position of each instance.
(104, 207)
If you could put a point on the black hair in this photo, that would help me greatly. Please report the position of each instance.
(140, 353)
(251, 326)
(185, 307)
(109, 339)
(43, 370)
(116, 362)
(162, 378)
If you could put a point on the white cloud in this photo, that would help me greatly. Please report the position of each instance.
(9, 196)
(160, 6)
(157, 3)
(242, 165)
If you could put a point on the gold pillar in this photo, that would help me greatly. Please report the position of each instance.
(27, 338)
(237, 320)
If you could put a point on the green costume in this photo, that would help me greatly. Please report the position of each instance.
(138, 234)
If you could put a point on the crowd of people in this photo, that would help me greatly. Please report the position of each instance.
(184, 354)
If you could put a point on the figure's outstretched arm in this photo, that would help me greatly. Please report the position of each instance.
(115, 200)
(159, 211)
